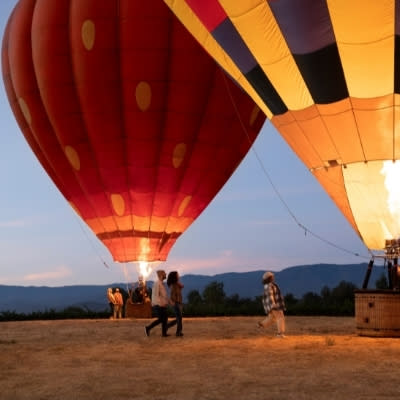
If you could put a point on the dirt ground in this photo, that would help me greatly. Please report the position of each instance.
(218, 358)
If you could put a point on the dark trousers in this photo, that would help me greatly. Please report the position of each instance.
(178, 320)
(162, 318)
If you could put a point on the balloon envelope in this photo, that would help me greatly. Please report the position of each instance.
(136, 125)
(327, 73)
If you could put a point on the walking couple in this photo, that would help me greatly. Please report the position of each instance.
(160, 301)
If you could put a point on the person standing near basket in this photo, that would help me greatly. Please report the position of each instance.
(111, 301)
(119, 304)
(274, 304)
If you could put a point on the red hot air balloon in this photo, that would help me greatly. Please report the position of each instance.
(136, 125)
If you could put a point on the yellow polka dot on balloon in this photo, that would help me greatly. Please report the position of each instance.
(88, 33)
(143, 95)
(179, 155)
(25, 110)
(118, 204)
(182, 207)
(73, 157)
(254, 115)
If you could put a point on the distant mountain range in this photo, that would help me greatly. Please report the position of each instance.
(296, 280)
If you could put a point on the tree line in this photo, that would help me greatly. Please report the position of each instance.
(213, 301)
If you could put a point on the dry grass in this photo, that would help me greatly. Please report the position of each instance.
(218, 358)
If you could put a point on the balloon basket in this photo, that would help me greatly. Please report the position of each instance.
(377, 313)
(138, 310)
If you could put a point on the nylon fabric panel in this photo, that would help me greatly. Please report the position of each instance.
(24, 120)
(203, 36)
(228, 38)
(397, 48)
(307, 30)
(305, 24)
(397, 63)
(380, 60)
(296, 139)
(374, 118)
(314, 129)
(26, 102)
(335, 66)
(101, 107)
(323, 75)
(266, 90)
(260, 31)
(364, 33)
(116, 97)
(397, 16)
(351, 18)
(331, 179)
(339, 121)
(51, 55)
(210, 12)
(375, 221)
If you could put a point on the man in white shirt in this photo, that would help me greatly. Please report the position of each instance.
(159, 301)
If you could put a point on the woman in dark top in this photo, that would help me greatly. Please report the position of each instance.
(175, 287)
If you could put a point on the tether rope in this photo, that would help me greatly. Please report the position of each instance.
(91, 243)
(290, 212)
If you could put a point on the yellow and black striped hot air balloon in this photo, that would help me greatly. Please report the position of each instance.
(327, 74)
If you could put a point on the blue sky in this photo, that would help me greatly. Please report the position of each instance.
(246, 227)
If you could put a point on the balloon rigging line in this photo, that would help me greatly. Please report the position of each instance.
(91, 243)
(302, 226)
(306, 230)
(127, 278)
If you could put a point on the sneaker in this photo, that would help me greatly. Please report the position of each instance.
(146, 331)
(165, 334)
(259, 324)
(280, 335)
(179, 334)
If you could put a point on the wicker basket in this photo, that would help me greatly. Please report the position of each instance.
(138, 310)
(377, 313)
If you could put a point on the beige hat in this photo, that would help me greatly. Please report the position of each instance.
(267, 275)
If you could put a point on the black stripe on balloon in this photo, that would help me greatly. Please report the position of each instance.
(323, 74)
(266, 91)
(230, 40)
(397, 64)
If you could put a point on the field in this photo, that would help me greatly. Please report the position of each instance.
(218, 358)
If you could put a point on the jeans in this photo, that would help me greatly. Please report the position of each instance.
(178, 314)
(162, 318)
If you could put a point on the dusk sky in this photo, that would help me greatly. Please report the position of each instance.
(247, 226)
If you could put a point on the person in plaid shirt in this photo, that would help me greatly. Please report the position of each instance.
(274, 305)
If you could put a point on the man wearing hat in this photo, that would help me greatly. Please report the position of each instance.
(274, 304)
